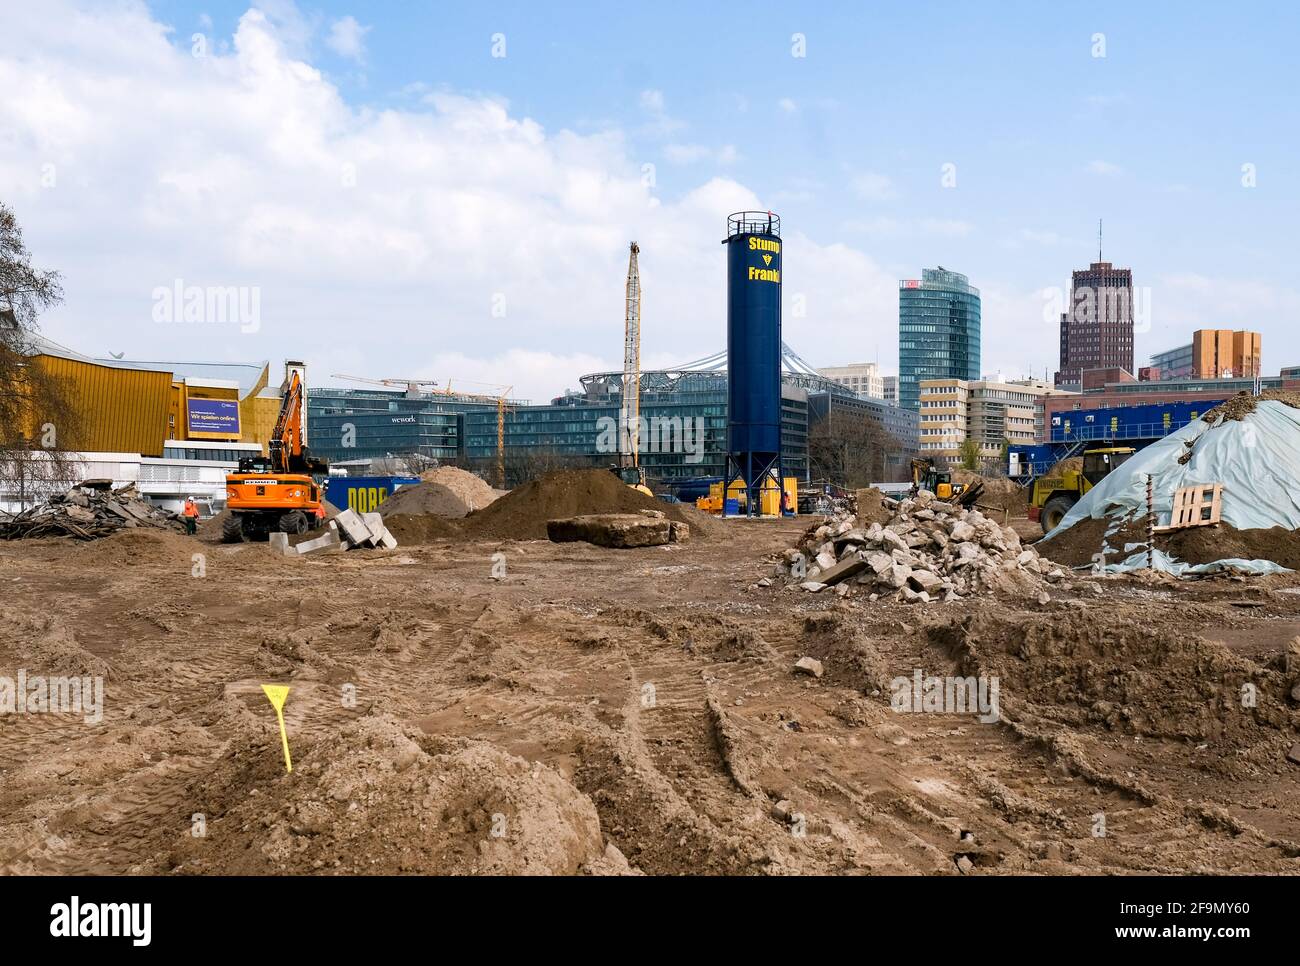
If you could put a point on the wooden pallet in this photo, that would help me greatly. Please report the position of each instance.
(1196, 506)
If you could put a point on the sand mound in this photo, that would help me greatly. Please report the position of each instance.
(379, 798)
(522, 513)
(472, 490)
(999, 492)
(44, 646)
(143, 547)
(432, 498)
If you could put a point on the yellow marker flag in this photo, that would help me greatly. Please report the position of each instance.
(277, 694)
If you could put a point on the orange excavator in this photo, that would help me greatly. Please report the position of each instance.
(277, 492)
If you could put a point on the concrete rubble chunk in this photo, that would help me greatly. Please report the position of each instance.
(352, 528)
(846, 568)
(326, 542)
(678, 532)
(880, 562)
(279, 543)
(809, 665)
(812, 586)
(961, 531)
(825, 560)
(614, 530)
(924, 580)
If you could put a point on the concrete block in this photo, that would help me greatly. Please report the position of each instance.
(327, 542)
(279, 543)
(375, 524)
(352, 528)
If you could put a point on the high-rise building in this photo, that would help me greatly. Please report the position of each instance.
(938, 331)
(1097, 326)
(863, 378)
(1223, 352)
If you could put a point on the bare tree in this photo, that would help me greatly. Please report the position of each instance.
(38, 418)
(850, 450)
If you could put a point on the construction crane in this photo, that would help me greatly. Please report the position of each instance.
(414, 387)
(630, 413)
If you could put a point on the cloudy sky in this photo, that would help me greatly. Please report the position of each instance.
(447, 192)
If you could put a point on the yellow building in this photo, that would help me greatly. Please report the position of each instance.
(991, 412)
(123, 406)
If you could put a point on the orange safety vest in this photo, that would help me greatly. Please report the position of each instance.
(191, 509)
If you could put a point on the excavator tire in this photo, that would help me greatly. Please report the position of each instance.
(1055, 510)
(232, 530)
(295, 521)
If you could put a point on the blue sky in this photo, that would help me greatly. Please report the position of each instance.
(847, 143)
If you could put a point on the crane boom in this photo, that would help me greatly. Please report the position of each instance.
(630, 411)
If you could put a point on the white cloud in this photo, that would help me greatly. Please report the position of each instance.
(1104, 168)
(787, 105)
(870, 186)
(347, 38)
(449, 237)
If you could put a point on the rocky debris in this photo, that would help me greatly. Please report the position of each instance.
(809, 665)
(926, 550)
(87, 514)
(617, 530)
(355, 531)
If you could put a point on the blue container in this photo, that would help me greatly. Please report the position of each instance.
(731, 508)
(364, 494)
(1145, 421)
(754, 336)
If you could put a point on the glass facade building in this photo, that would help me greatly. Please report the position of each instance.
(684, 414)
(938, 332)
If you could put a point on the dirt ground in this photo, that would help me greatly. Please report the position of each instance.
(524, 707)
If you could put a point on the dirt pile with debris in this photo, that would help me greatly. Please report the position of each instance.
(87, 514)
(379, 796)
(1082, 543)
(522, 513)
(999, 492)
(1125, 676)
(929, 550)
(1245, 403)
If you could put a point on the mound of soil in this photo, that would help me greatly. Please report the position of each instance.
(434, 498)
(1120, 673)
(522, 513)
(427, 806)
(1196, 545)
(998, 492)
(470, 489)
(870, 509)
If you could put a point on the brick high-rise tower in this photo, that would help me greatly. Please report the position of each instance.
(1097, 326)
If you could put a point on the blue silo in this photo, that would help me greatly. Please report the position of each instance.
(753, 350)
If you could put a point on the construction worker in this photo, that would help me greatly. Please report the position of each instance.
(190, 513)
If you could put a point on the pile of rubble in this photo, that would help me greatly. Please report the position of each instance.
(349, 530)
(929, 550)
(87, 513)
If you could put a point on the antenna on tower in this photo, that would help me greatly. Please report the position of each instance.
(1099, 239)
